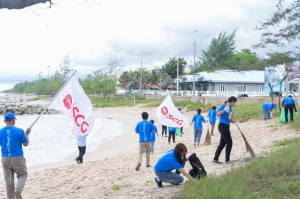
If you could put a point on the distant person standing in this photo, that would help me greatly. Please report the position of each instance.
(289, 104)
(225, 114)
(164, 130)
(81, 143)
(144, 129)
(181, 128)
(172, 131)
(267, 109)
(197, 120)
(153, 137)
(212, 117)
(13, 161)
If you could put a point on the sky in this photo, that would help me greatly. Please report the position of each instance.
(36, 39)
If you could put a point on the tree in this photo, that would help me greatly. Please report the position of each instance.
(219, 51)
(65, 68)
(170, 67)
(20, 4)
(245, 60)
(283, 27)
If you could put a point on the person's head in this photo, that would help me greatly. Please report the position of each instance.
(152, 121)
(231, 101)
(9, 118)
(225, 102)
(145, 115)
(179, 108)
(180, 152)
(290, 96)
(214, 108)
(199, 111)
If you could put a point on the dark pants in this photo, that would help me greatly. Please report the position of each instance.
(290, 108)
(181, 129)
(171, 177)
(173, 136)
(225, 139)
(81, 153)
(164, 130)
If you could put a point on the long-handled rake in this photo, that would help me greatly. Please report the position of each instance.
(248, 147)
(207, 137)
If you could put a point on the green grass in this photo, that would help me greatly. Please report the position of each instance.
(274, 176)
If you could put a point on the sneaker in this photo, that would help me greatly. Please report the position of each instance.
(78, 161)
(217, 161)
(148, 165)
(138, 167)
(228, 162)
(17, 195)
(159, 183)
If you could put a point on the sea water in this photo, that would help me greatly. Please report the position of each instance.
(51, 139)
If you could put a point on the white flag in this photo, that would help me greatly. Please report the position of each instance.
(167, 114)
(74, 103)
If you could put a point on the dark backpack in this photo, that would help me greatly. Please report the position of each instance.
(197, 170)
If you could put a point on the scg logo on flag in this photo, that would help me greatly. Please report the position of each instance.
(165, 112)
(68, 101)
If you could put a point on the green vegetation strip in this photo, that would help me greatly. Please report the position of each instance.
(276, 176)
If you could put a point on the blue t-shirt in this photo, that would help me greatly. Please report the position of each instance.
(198, 119)
(288, 100)
(81, 140)
(11, 140)
(167, 162)
(153, 134)
(224, 118)
(267, 106)
(212, 116)
(172, 129)
(145, 129)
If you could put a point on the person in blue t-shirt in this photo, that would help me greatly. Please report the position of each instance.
(212, 117)
(172, 159)
(289, 104)
(13, 161)
(181, 128)
(144, 129)
(153, 137)
(198, 119)
(172, 131)
(267, 109)
(81, 143)
(225, 114)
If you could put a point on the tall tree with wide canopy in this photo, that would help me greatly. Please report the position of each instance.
(219, 51)
(170, 67)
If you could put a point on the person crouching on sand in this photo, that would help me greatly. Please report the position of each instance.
(172, 159)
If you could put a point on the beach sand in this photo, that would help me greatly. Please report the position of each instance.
(113, 163)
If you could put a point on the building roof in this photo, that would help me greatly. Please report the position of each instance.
(253, 76)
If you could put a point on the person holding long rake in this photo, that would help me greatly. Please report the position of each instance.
(225, 114)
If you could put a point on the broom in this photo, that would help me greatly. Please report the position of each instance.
(207, 137)
(248, 147)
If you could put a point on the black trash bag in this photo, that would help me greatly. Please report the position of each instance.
(197, 170)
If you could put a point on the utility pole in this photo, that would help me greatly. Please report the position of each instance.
(141, 76)
(48, 72)
(194, 68)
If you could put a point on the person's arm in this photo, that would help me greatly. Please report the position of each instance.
(295, 108)
(27, 136)
(226, 108)
(185, 174)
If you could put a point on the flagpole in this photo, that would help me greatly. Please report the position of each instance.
(159, 105)
(52, 100)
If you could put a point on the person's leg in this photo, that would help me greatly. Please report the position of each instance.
(265, 114)
(212, 129)
(169, 138)
(163, 131)
(82, 152)
(228, 140)
(286, 113)
(169, 177)
(173, 136)
(195, 136)
(19, 164)
(290, 107)
(151, 147)
(141, 151)
(199, 136)
(166, 131)
(181, 129)
(8, 177)
(147, 145)
(79, 150)
(222, 142)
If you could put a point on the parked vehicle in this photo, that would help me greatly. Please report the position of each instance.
(242, 95)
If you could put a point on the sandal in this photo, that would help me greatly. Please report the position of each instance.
(217, 161)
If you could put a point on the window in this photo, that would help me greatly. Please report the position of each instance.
(222, 88)
(261, 88)
(240, 88)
